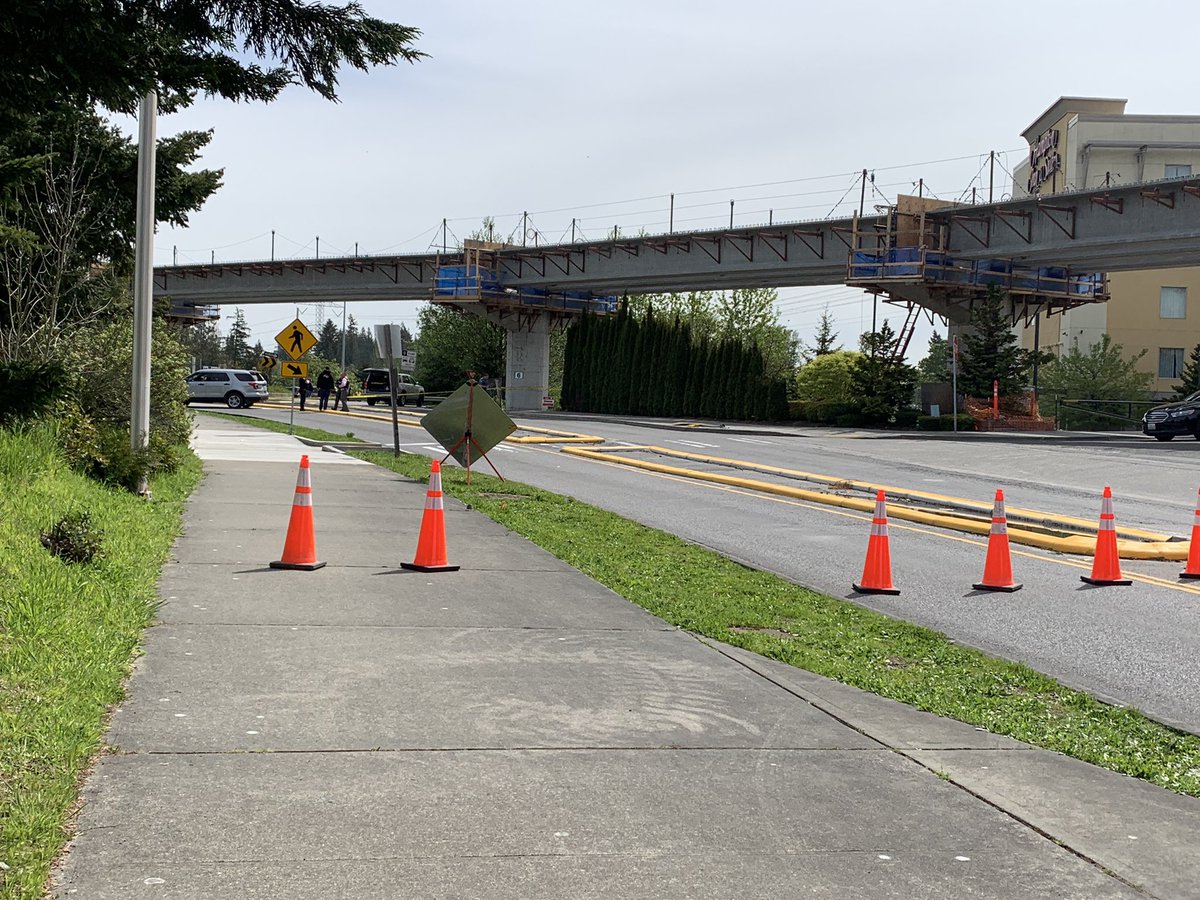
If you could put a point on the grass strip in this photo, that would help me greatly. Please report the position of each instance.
(710, 595)
(68, 632)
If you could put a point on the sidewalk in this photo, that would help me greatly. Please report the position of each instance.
(517, 730)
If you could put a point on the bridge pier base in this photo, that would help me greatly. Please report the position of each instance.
(527, 368)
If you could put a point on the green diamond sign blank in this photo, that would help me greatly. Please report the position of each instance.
(468, 424)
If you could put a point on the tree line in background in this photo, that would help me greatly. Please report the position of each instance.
(68, 186)
(650, 365)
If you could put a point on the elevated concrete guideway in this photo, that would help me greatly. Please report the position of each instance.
(1150, 225)
(1041, 251)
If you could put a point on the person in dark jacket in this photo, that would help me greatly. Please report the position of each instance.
(306, 388)
(324, 388)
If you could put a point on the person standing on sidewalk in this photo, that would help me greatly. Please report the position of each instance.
(324, 387)
(343, 393)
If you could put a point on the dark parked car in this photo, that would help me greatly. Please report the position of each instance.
(375, 388)
(1181, 417)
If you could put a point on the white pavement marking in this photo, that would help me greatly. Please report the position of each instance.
(699, 444)
(262, 446)
(750, 441)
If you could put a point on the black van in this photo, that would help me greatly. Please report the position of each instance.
(375, 388)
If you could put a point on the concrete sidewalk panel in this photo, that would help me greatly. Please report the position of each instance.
(787, 816)
(823, 875)
(888, 721)
(472, 542)
(1145, 834)
(232, 688)
(398, 597)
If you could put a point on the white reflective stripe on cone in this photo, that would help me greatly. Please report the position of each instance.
(302, 499)
(305, 479)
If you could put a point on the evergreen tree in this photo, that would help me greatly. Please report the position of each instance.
(935, 367)
(1189, 378)
(882, 382)
(692, 387)
(989, 352)
(329, 341)
(825, 340)
(236, 350)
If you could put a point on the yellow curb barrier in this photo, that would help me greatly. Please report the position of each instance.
(1078, 544)
(1029, 517)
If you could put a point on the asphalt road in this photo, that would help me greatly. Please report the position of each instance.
(1136, 646)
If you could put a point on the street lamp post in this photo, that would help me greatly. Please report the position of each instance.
(143, 267)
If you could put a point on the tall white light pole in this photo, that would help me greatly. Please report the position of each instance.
(143, 273)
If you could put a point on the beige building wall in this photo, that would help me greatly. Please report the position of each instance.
(1098, 144)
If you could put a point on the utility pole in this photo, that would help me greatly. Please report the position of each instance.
(272, 245)
(443, 235)
(671, 223)
(920, 188)
(572, 230)
(143, 266)
(991, 179)
(730, 213)
(318, 247)
(862, 194)
(174, 254)
(524, 226)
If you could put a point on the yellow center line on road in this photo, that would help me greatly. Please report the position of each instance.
(866, 517)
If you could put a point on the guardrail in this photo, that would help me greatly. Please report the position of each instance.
(1101, 415)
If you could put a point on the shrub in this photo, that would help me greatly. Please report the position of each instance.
(826, 379)
(907, 417)
(854, 419)
(29, 389)
(965, 422)
(929, 423)
(827, 413)
(74, 538)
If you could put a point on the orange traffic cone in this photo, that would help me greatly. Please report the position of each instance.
(1193, 561)
(1106, 567)
(431, 544)
(997, 568)
(877, 572)
(300, 547)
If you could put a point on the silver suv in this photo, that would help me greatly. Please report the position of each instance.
(236, 388)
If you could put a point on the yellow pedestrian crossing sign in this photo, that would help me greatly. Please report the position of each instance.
(296, 340)
(294, 370)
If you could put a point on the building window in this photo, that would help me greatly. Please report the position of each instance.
(1178, 171)
(1170, 362)
(1172, 303)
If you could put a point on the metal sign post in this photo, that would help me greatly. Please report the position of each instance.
(387, 346)
(954, 379)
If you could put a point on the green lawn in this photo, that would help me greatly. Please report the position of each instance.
(68, 632)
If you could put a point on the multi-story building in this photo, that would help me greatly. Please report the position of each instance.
(1087, 142)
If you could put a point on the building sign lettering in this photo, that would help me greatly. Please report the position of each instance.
(1044, 159)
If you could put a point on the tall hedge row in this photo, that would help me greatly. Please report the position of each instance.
(650, 367)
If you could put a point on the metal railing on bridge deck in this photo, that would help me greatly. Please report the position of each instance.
(906, 265)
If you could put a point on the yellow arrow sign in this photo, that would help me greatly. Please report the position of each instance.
(266, 363)
(294, 370)
(296, 339)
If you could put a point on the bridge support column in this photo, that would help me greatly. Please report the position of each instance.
(527, 370)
